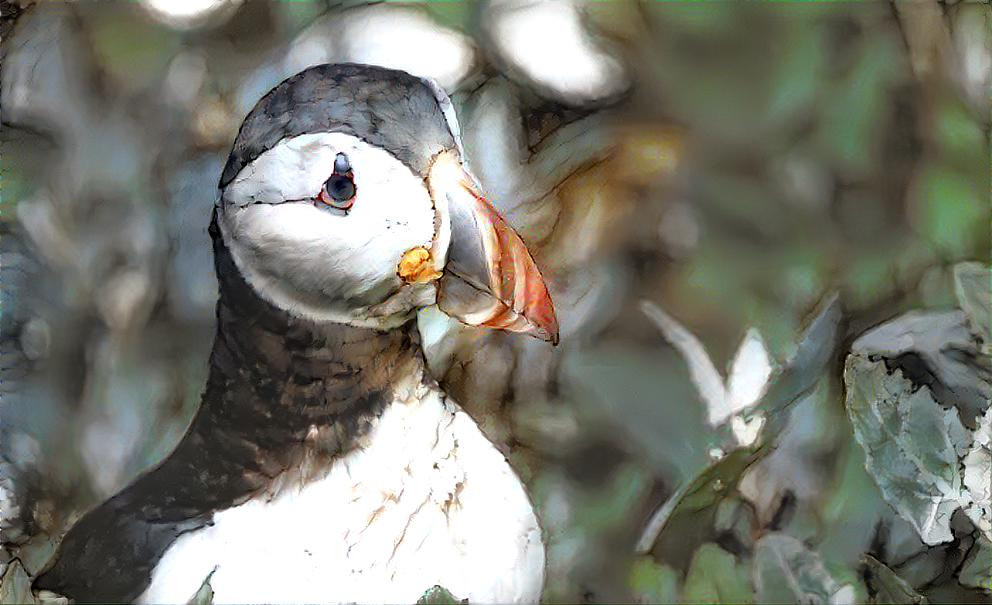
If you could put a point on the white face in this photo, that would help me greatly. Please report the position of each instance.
(320, 262)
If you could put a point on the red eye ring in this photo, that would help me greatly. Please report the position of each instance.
(338, 191)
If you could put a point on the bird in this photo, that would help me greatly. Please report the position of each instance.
(325, 464)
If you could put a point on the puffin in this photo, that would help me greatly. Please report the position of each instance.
(325, 464)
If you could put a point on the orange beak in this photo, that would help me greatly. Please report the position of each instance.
(489, 278)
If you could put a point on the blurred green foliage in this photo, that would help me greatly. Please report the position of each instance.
(814, 156)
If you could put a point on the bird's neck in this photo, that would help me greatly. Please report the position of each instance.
(287, 375)
(282, 387)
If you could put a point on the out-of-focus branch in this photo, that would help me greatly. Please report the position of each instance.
(926, 34)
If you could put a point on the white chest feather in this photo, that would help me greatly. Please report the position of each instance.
(427, 501)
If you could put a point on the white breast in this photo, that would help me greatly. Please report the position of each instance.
(427, 501)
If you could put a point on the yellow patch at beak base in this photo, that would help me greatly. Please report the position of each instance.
(417, 266)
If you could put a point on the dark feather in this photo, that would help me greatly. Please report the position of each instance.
(386, 108)
(274, 381)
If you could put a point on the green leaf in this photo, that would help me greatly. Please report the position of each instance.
(957, 132)
(977, 569)
(704, 491)
(610, 508)
(439, 595)
(978, 476)
(944, 344)
(715, 576)
(622, 384)
(801, 373)
(850, 127)
(853, 506)
(973, 287)
(797, 75)
(785, 571)
(950, 211)
(887, 586)
(653, 582)
(909, 444)
(15, 586)
(205, 593)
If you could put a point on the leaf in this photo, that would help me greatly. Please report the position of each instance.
(803, 370)
(934, 344)
(785, 571)
(973, 287)
(751, 368)
(715, 576)
(15, 586)
(924, 332)
(887, 586)
(815, 349)
(746, 382)
(909, 445)
(701, 369)
(977, 569)
(747, 378)
(736, 520)
(978, 476)
(622, 385)
(705, 490)
(653, 582)
(439, 595)
(747, 430)
(205, 593)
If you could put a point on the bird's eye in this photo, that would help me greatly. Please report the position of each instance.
(339, 190)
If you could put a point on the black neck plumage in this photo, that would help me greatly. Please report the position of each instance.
(278, 386)
(277, 380)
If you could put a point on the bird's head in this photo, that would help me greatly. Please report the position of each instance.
(346, 199)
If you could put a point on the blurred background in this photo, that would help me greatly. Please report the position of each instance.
(732, 164)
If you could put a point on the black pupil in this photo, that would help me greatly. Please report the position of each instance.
(340, 187)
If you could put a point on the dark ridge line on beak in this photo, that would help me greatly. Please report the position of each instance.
(543, 334)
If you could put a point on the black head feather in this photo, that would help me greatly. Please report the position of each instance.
(384, 107)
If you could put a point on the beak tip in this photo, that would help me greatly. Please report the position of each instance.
(547, 332)
(552, 334)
